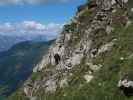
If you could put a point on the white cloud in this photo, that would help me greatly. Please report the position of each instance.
(30, 28)
(6, 27)
(19, 2)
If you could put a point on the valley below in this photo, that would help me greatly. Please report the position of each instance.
(16, 64)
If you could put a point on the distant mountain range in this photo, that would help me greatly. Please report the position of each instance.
(7, 41)
(16, 64)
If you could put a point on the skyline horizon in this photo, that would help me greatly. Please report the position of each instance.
(24, 19)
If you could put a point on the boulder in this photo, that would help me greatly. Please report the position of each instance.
(126, 86)
(88, 78)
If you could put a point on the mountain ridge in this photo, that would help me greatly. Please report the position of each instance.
(90, 60)
(7, 41)
(14, 66)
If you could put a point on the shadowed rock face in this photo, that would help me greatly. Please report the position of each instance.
(57, 58)
(126, 87)
(93, 3)
(128, 91)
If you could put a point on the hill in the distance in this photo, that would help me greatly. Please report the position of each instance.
(17, 63)
(6, 42)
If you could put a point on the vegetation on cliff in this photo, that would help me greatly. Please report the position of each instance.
(107, 26)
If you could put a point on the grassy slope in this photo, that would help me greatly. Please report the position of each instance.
(104, 85)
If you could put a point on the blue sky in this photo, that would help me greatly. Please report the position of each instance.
(46, 15)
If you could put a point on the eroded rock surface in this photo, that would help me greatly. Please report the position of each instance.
(83, 39)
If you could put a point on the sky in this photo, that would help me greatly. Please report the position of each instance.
(21, 17)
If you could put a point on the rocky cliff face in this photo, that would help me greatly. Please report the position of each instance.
(80, 52)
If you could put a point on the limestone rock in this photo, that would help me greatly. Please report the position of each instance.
(88, 78)
(109, 29)
(105, 4)
(128, 23)
(125, 83)
(94, 67)
(131, 9)
(105, 47)
(51, 85)
(125, 1)
(64, 82)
